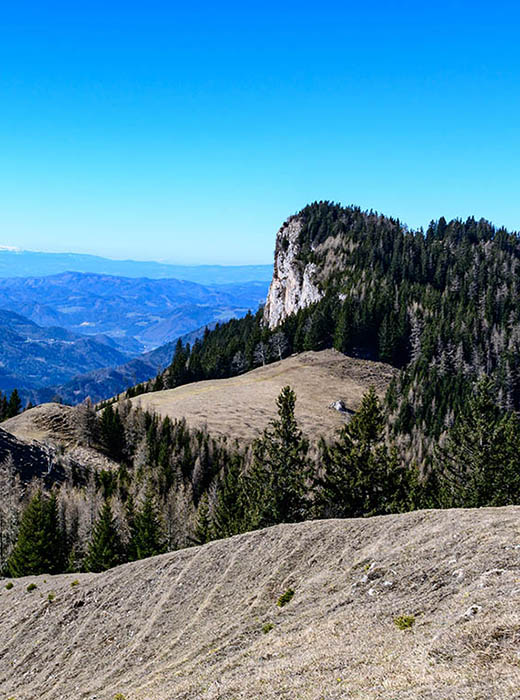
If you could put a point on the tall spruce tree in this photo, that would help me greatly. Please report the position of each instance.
(41, 544)
(276, 486)
(147, 538)
(203, 526)
(105, 549)
(361, 475)
(228, 516)
(113, 432)
(14, 406)
(479, 464)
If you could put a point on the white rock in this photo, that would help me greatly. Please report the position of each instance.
(472, 611)
(292, 288)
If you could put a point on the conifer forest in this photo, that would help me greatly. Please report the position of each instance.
(441, 305)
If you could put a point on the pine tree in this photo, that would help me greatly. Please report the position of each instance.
(113, 433)
(203, 527)
(40, 547)
(148, 538)
(14, 406)
(276, 486)
(361, 476)
(4, 407)
(228, 517)
(177, 372)
(479, 464)
(105, 549)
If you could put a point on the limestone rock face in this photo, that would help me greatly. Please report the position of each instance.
(293, 286)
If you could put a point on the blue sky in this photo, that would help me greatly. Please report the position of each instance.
(160, 131)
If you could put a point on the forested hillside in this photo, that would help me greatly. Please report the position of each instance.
(441, 306)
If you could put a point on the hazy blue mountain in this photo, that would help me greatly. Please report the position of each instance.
(33, 357)
(139, 313)
(106, 382)
(27, 263)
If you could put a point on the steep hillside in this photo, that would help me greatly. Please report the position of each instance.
(240, 407)
(30, 460)
(51, 438)
(441, 305)
(204, 622)
(50, 422)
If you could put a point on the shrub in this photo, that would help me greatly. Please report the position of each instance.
(74, 583)
(285, 597)
(119, 696)
(51, 596)
(267, 627)
(9, 585)
(31, 587)
(404, 622)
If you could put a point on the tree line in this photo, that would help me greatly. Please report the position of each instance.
(10, 406)
(177, 487)
(441, 305)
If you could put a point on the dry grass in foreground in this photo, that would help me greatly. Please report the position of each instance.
(242, 406)
(420, 605)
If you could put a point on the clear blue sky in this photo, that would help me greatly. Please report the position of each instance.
(158, 131)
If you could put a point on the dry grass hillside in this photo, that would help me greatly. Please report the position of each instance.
(48, 422)
(204, 623)
(60, 427)
(242, 406)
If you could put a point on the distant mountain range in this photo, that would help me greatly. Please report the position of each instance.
(100, 384)
(140, 314)
(78, 334)
(26, 263)
(32, 357)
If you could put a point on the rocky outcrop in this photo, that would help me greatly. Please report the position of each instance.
(294, 285)
(30, 460)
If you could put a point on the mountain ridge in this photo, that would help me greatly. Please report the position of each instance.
(22, 263)
(139, 313)
(33, 356)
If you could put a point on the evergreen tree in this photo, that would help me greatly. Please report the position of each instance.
(113, 433)
(203, 527)
(4, 407)
(177, 373)
(276, 486)
(40, 547)
(148, 537)
(479, 465)
(105, 548)
(361, 476)
(228, 517)
(14, 406)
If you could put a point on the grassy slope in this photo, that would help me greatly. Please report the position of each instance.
(60, 427)
(242, 406)
(189, 624)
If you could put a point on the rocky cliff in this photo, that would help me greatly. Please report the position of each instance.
(294, 285)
